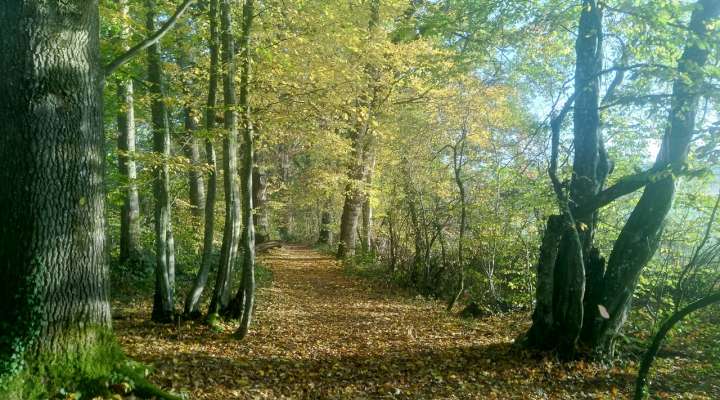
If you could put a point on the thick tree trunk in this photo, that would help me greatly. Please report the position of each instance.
(248, 234)
(640, 236)
(192, 302)
(349, 221)
(560, 303)
(543, 313)
(231, 233)
(53, 272)
(164, 300)
(130, 211)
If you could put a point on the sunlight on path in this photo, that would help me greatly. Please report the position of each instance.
(321, 334)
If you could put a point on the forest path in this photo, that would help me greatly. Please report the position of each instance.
(319, 333)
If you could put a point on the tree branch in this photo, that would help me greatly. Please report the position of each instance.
(624, 186)
(149, 41)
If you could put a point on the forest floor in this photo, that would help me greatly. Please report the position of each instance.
(321, 334)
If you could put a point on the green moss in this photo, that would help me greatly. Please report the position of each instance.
(97, 369)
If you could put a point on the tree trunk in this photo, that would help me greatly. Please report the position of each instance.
(192, 302)
(260, 216)
(560, 307)
(355, 195)
(458, 162)
(53, 272)
(640, 236)
(349, 220)
(543, 313)
(164, 303)
(195, 178)
(248, 234)
(367, 211)
(325, 227)
(231, 233)
(130, 211)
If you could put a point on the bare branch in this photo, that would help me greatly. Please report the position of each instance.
(149, 41)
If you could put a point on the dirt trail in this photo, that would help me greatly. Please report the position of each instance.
(321, 334)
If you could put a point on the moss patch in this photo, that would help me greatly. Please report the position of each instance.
(97, 370)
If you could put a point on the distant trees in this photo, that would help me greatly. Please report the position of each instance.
(130, 212)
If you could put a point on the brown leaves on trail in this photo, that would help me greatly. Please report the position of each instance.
(321, 334)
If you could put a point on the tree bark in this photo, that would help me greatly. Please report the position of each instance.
(192, 302)
(53, 272)
(641, 234)
(231, 233)
(248, 234)
(558, 322)
(543, 314)
(349, 220)
(164, 301)
(130, 211)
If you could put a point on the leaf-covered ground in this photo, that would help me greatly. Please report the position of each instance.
(320, 334)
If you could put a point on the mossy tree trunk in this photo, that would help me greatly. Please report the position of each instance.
(53, 272)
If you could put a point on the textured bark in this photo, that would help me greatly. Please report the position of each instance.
(231, 233)
(53, 273)
(641, 234)
(164, 303)
(192, 302)
(248, 234)
(130, 211)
